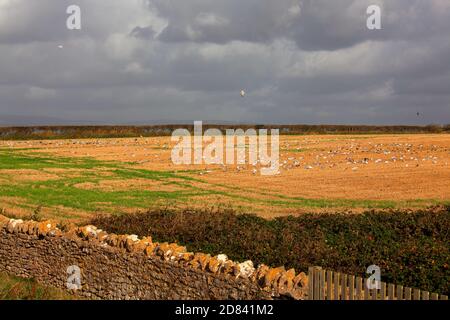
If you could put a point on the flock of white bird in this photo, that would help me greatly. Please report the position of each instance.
(348, 156)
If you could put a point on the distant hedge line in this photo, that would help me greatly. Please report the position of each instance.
(78, 132)
(411, 249)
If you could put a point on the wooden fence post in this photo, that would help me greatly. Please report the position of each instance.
(344, 287)
(311, 283)
(336, 286)
(329, 285)
(359, 288)
(407, 293)
(316, 283)
(322, 284)
(416, 294)
(383, 291)
(351, 284)
(399, 292)
(391, 292)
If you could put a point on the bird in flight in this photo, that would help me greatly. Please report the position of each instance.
(242, 93)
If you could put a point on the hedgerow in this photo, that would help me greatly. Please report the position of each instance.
(411, 248)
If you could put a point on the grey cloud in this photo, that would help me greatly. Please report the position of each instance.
(312, 24)
(299, 61)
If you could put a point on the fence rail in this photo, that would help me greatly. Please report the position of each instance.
(330, 285)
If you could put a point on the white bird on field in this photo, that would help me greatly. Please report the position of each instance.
(242, 93)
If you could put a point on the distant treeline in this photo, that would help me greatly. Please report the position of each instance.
(78, 132)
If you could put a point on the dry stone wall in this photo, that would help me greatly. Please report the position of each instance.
(126, 267)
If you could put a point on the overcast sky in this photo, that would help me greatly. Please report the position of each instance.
(300, 61)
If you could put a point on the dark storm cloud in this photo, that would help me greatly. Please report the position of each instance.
(310, 61)
(312, 24)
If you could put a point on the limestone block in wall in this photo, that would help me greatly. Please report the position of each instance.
(102, 236)
(301, 280)
(140, 245)
(200, 261)
(169, 251)
(112, 240)
(3, 220)
(150, 249)
(13, 225)
(44, 227)
(88, 232)
(286, 282)
(228, 267)
(214, 265)
(271, 278)
(184, 258)
(260, 273)
(246, 269)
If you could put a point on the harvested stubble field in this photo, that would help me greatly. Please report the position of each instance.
(75, 178)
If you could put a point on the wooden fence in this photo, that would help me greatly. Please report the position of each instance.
(330, 285)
